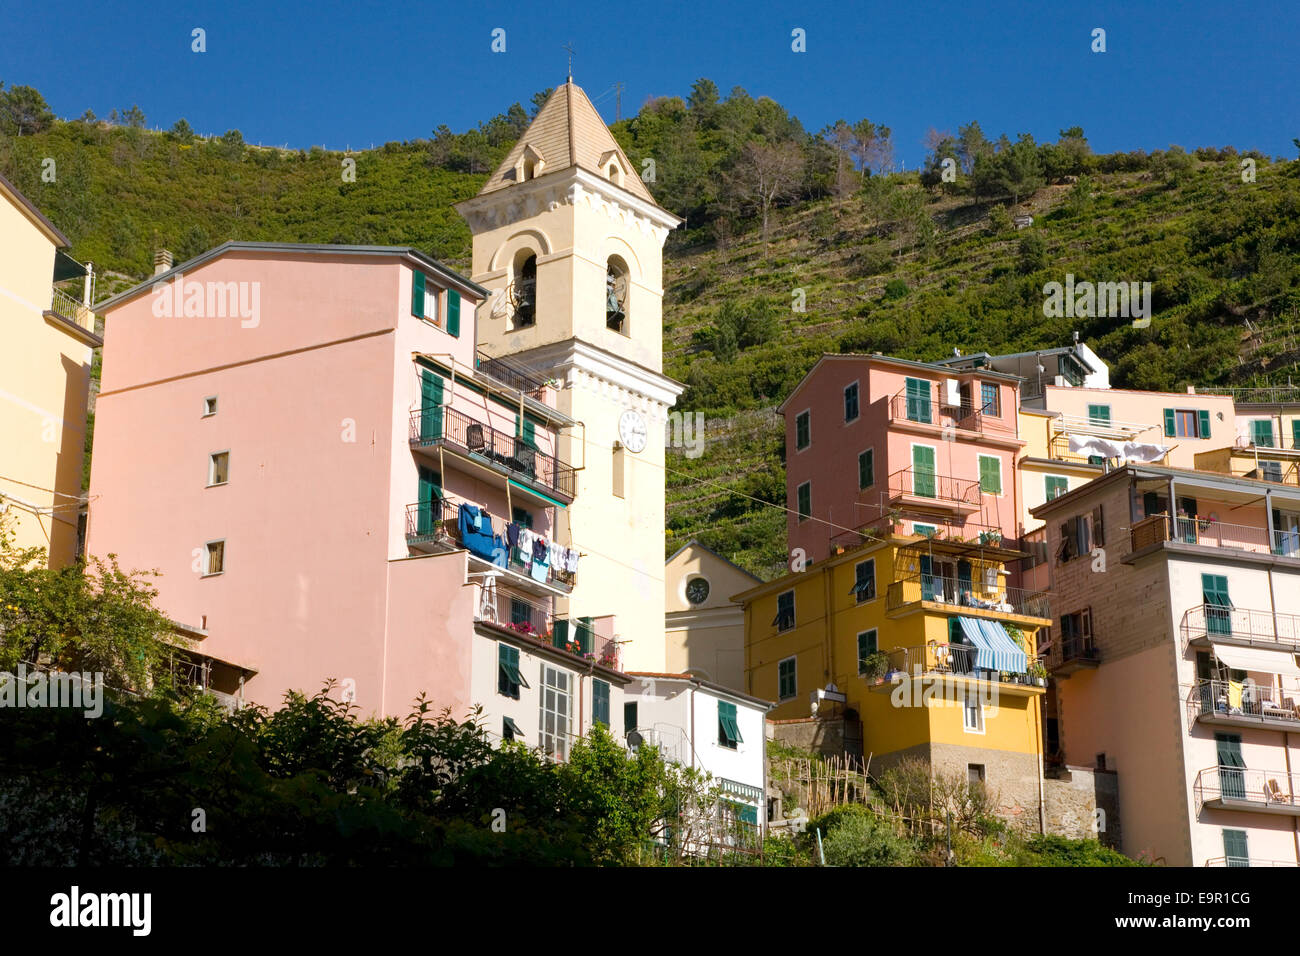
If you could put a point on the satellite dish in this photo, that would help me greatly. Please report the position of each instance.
(634, 739)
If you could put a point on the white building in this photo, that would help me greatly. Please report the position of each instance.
(704, 725)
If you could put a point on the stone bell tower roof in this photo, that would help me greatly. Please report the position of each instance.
(567, 132)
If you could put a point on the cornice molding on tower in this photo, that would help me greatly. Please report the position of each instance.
(593, 369)
(566, 187)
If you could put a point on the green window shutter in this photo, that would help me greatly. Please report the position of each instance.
(1203, 422)
(923, 474)
(1169, 423)
(430, 406)
(629, 716)
(918, 400)
(600, 702)
(560, 633)
(1235, 848)
(453, 312)
(1262, 433)
(803, 430)
(867, 468)
(530, 432)
(1099, 414)
(990, 475)
(1295, 433)
(429, 493)
(417, 294)
(585, 634)
(1056, 485)
(804, 500)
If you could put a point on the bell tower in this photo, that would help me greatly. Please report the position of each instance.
(569, 241)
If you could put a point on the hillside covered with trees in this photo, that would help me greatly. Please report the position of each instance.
(795, 243)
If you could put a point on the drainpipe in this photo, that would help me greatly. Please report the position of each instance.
(1042, 789)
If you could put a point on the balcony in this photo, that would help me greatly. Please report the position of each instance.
(1207, 624)
(1247, 861)
(951, 593)
(956, 661)
(510, 374)
(71, 315)
(1277, 395)
(433, 527)
(1076, 654)
(502, 606)
(911, 488)
(1207, 533)
(508, 455)
(1211, 702)
(929, 410)
(1254, 791)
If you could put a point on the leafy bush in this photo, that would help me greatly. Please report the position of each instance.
(895, 289)
(855, 836)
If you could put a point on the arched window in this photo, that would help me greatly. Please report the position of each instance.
(523, 289)
(530, 168)
(616, 292)
(615, 174)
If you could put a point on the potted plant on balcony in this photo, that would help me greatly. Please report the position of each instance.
(1038, 672)
(875, 666)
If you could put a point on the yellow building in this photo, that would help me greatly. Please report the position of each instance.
(926, 643)
(49, 340)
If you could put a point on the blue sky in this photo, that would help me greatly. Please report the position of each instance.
(356, 73)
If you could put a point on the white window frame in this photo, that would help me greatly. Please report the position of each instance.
(560, 737)
(212, 468)
(209, 406)
(207, 558)
(967, 710)
(792, 659)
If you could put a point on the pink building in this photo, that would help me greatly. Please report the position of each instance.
(872, 440)
(305, 443)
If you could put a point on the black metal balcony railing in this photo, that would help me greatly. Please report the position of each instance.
(508, 608)
(511, 453)
(931, 410)
(1264, 789)
(943, 489)
(510, 374)
(1078, 650)
(959, 592)
(956, 659)
(1257, 703)
(436, 524)
(1242, 625)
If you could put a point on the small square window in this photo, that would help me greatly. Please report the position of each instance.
(973, 715)
(218, 468)
(209, 406)
(216, 557)
(975, 773)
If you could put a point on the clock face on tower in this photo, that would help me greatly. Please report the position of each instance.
(632, 431)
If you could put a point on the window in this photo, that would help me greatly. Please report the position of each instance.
(216, 557)
(1101, 761)
(218, 468)
(1187, 423)
(1235, 849)
(925, 530)
(864, 585)
(1295, 433)
(867, 645)
(509, 729)
(990, 474)
(1232, 766)
(924, 473)
(1099, 414)
(509, 678)
(784, 611)
(424, 298)
(972, 720)
(975, 773)
(802, 430)
(600, 702)
(1270, 470)
(804, 500)
(851, 403)
(1080, 533)
(989, 403)
(523, 290)
(1076, 635)
(728, 727)
(1056, 485)
(629, 717)
(1218, 606)
(918, 400)
(1261, 432)
(519, 613)
(867, 468)
(616, 294)
(786, 680)
(210, 406)
(556, 696)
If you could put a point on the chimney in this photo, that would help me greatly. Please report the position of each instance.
(162, 261)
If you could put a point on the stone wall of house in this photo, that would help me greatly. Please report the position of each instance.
(1074, 795)
(829, 736)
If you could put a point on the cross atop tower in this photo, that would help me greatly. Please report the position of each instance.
(569, 47)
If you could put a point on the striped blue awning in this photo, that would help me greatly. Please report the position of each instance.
(994, 648)
(1010, 657)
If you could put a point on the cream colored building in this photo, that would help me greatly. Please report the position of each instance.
(705, 628)
(49, 342)
(569, 242)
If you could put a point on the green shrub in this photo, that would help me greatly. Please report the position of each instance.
(855, 836)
